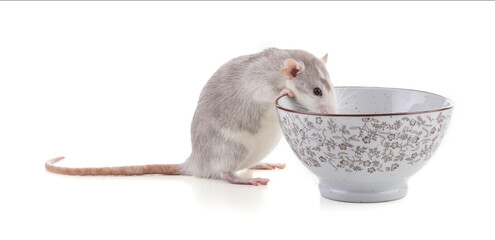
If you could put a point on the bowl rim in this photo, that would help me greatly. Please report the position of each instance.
(277, 105)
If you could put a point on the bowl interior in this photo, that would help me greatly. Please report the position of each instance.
(374, 100)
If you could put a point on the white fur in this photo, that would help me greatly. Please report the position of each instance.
(326, 104)
(259, 145)
(303, 98)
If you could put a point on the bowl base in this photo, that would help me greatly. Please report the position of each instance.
(363, 196)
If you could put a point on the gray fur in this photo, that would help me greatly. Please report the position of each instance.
(228, 101)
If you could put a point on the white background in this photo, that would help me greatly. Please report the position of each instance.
(117, 83)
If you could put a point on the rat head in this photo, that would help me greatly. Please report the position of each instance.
(308, 79)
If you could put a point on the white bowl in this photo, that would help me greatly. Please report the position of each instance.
(367, 152)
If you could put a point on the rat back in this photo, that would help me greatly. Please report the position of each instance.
(235, 124)
(229, 117)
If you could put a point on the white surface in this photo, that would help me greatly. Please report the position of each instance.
(117, 83)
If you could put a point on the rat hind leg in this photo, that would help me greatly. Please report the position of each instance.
(232, 178)
(220, 157)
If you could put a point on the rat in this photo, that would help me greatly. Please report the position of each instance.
(235, 124)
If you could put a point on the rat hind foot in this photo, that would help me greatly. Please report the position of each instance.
(268, 166)
(232, 178)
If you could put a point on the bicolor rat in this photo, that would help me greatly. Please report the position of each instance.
(235, 123)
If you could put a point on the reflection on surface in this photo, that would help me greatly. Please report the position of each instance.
(214, 194)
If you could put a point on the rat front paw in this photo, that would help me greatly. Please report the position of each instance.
(287, 92)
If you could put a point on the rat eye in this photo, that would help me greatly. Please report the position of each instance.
(317, 91)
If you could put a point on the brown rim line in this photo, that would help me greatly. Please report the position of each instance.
(371, 114)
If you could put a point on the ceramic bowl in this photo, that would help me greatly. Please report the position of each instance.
(367, 152)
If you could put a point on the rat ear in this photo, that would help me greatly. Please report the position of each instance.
(325, 58)
(291, 68)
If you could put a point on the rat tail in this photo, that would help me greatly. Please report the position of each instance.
(166, 169)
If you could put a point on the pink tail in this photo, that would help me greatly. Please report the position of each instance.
(165, 169)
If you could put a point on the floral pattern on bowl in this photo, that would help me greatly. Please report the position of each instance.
(367, 152)
(366, 145)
